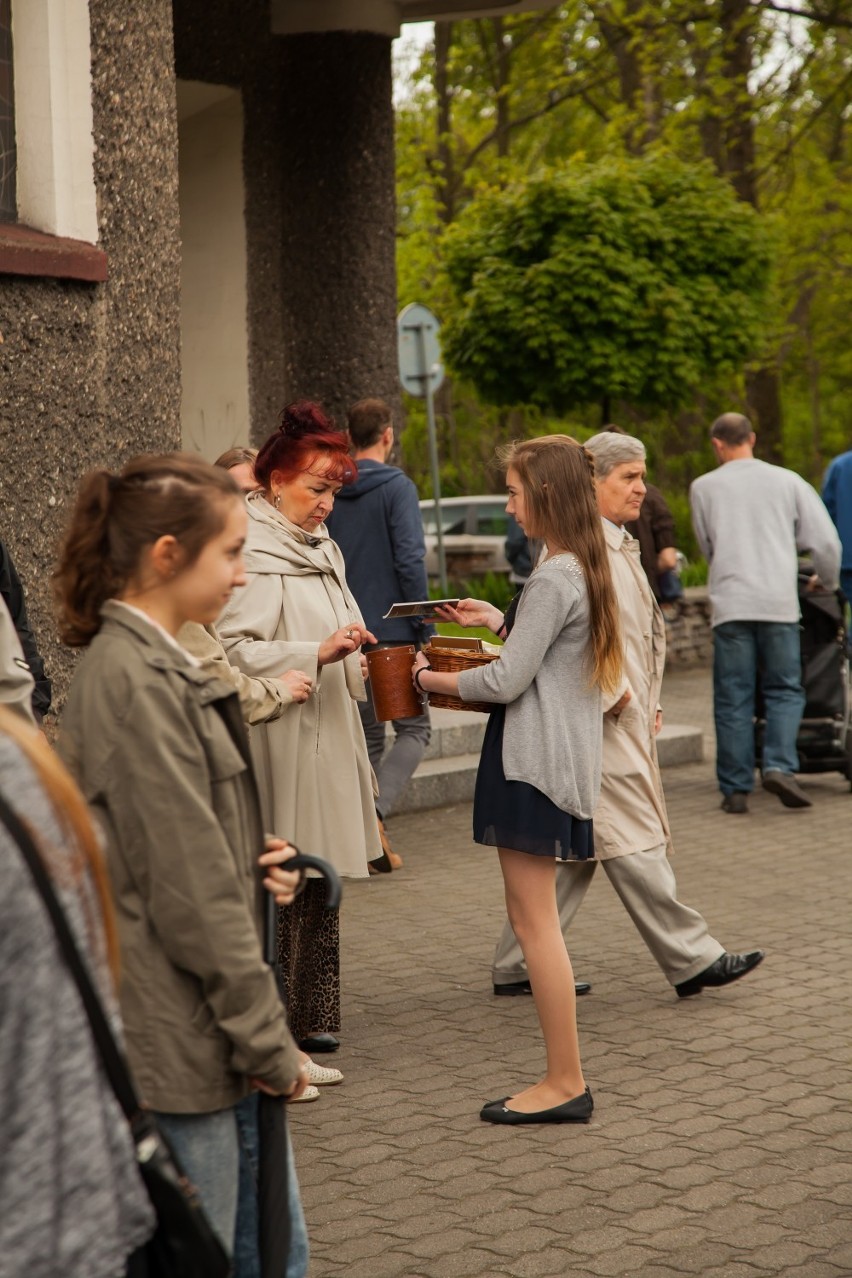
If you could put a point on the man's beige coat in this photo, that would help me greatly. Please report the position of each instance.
(631, 814)
(315, 779)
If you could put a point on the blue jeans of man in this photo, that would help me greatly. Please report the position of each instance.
(246, 1253)
(744, 651)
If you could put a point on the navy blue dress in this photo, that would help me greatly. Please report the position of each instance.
(514, 814)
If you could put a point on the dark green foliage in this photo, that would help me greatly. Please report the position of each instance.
(630, 280)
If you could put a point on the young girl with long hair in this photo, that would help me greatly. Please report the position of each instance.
(539, 775)
(158, 748)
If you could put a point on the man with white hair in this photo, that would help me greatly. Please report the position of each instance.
(751, 519)
(632, 839)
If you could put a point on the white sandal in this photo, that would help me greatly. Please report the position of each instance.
(320, 1075)
(309, 1094)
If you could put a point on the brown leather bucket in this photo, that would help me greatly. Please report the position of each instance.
(394, 695)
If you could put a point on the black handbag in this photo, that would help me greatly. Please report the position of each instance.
(184, 1244)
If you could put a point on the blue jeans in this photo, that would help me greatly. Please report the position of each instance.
(740, 650)
(246, 1254)
(209, 1152)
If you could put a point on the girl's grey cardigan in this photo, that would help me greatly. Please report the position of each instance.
(554, 715)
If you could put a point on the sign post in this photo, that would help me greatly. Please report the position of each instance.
(421, 374)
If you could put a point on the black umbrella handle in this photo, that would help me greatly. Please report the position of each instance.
(332, 881)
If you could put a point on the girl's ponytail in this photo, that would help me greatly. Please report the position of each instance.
(117, 516)
(86, 577)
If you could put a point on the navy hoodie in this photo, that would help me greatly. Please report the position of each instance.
(376, 523)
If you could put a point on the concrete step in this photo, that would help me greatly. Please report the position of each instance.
(679, 743)
(455, 732)
(448, 772)
(440, 782)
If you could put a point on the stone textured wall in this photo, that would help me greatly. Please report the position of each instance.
(689, 639)
(90, 373)
(340, 300)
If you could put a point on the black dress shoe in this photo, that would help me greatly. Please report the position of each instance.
(577, 1110)
(319, 1043)
(730, 967)
(524, 987)
(735, 803)
(787, 788)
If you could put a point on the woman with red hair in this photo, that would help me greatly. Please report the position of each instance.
(296, 613)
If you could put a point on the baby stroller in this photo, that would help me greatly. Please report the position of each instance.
(824, 742)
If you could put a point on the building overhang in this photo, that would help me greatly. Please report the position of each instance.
(385, 17)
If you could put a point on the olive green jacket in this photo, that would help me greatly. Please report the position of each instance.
(158, 748)
(260, 699)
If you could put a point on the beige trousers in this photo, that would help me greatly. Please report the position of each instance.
(677, 936)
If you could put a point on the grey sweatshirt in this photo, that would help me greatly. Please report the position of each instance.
(554, 715)
(751, 519)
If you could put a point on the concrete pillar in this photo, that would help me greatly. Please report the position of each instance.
(318, 169)
(320, 213)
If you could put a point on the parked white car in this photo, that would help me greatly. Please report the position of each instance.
(474, 530)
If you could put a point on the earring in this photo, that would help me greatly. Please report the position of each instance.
(276, 501)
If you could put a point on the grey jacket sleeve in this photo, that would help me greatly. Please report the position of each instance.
(547, 604)
(816, 534)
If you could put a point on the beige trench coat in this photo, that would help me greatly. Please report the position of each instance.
(315, 779)
(631, 814)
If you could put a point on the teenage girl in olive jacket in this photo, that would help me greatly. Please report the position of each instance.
(159, 750)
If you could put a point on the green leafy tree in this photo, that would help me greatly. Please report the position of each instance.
(633, 280)
(757, 88)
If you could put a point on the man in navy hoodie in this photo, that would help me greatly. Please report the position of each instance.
(376, 522)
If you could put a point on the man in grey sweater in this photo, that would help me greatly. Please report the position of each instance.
(751, 519)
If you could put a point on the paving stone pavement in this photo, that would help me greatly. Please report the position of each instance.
(721, 1143)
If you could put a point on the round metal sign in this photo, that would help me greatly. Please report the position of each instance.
(420, 366)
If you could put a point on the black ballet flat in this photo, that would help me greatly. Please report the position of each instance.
(319, 1043)
(577, 1110)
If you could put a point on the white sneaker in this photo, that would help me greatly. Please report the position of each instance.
(320, 1075)
(309, 1094)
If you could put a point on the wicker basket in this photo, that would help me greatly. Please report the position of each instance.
(454, 661)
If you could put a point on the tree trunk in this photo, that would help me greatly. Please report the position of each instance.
(502, 73)
(638, 90)
(739, 20)
(444, 104)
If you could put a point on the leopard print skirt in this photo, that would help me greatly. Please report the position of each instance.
(309, 962)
